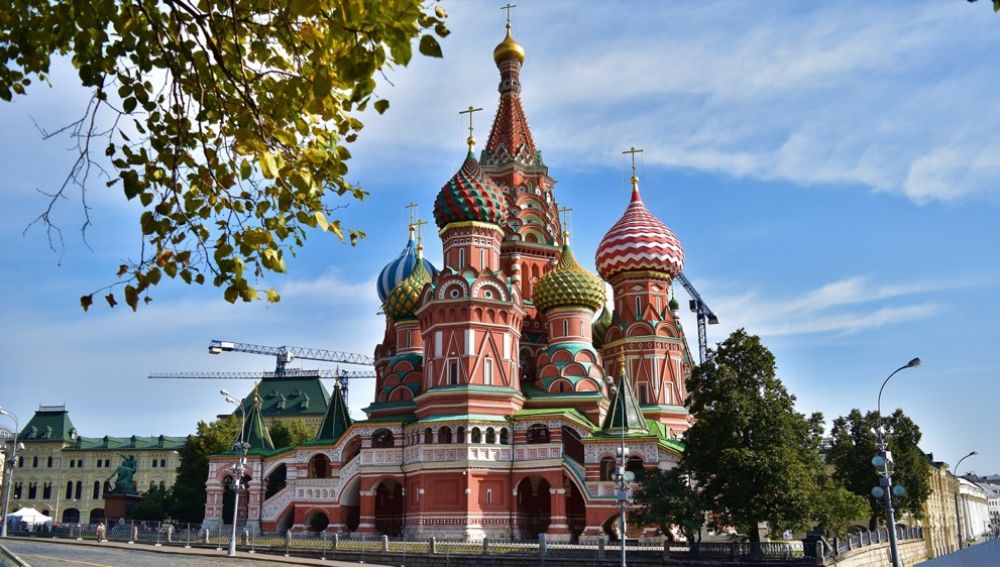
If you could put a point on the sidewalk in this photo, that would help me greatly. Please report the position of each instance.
(196, 552)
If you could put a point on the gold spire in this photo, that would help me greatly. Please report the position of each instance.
(564, 213)
(413, 218)
(418, 226)
(508, 48)
(471, 141)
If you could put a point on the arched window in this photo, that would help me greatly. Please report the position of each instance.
(34, 462)
(47, 491)
(461, 258)
(538, 433)
(49, 463)
(453, 372)
(69, 489)
(476, 435)
(634, 464)
(78, 493)
(152, 485)
(444, 435)
(319, 466)
(565, 327)
(638, 307)
(163, 485)
(504, 437)
(461, 435)
(428, 435)
(97, 490)
(608, 468)
(491, 436)
(382, 439)
(488, 371)
(643, 394)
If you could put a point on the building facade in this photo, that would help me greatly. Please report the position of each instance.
(974, 509)
(501, 394)
(940, 518)
(65, 475)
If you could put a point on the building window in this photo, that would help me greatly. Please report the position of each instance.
(72, 463)
(482, 259)
(638, 307)
(32, 491)
(154, 463)
(79, 463)
(428, 436)
(69, 489)
(461, 257)
(489, 495)
(565, 328)
(643, 398)
(476, 435)
(34, 462)
(488, 371)
(78, 493)
(49, 463)
(97, 490)
(107, 463)
(17, 491)
(504, 437)
(491, 436)
(20, 462)
(163, 463)
(47, 491)
(538, 433)
(453, 372)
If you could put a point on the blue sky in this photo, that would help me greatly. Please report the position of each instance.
(831, 170)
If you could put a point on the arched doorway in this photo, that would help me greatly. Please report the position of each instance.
(350, 504)
(317, 521)
(613, 528)
(351, 449)
(276, 481)
(576, 509)
(319, 466)
(389, 507)
(96, 515)
(534, 507)
(71, 516)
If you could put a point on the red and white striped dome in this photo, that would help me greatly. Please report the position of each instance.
(639, 241)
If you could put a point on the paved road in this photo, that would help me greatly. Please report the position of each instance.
(43, 554)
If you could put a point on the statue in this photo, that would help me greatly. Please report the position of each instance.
(125, 472)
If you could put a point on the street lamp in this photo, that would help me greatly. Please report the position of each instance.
(958, 496)
(241, 447)
(622, 477)
(9, 472)
(883, 464)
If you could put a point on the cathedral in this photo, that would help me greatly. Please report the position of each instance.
(506, 380)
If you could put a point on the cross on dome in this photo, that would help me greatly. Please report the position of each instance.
(471, 141)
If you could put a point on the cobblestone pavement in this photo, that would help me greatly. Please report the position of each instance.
(45, 554)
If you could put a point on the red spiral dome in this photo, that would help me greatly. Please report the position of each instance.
(639, 242)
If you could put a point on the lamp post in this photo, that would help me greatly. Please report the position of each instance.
(622, 477)
(9, 471)
(958, 496)
(241, 447)
(883, 464)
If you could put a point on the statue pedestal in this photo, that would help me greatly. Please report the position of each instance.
(119, 505)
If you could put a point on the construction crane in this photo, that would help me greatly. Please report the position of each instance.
(343, 377)
(705, 316)
(285, 354)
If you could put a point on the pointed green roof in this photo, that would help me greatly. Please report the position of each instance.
(337, 419)
(254, 431)
(631, 419)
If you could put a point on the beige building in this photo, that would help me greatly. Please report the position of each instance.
(65, 475)
(940, 519)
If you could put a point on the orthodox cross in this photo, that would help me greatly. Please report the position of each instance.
(633, 151)
(508, 7)
(471, 141)
(564, 213)
(419, 225)
(413, 217)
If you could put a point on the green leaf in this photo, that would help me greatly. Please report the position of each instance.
(131, 297)
(128, 105)
(430, 46)
(381, 105)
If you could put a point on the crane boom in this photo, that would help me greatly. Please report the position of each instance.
(343, 377)
(285, 354)
(704, 314)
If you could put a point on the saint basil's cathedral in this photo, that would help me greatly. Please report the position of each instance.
(504, 380)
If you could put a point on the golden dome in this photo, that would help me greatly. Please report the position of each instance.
(508, 49)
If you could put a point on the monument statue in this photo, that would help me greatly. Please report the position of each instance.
(125, 473)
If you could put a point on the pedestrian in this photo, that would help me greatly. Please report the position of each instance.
(100, 532)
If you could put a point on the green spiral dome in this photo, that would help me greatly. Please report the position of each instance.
(569, 284)
(404, 299)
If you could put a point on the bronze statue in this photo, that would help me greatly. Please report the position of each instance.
(125, 473)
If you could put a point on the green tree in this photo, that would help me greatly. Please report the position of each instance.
(154, 505)
(755, 458)
(836, 508)
(227, 121)
(667, 500)
(288, 433)
(188, 493)
(853, 444)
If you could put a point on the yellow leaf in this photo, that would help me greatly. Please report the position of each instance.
(321, 220)
(268, 166)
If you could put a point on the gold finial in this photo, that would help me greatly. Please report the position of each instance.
(564, 213)
(621, 363)
(419, 226)
(471, 141)
(413, 217)
(256, 394)
(635, 179)
(508, 48)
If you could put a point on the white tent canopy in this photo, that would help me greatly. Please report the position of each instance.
(29, 516)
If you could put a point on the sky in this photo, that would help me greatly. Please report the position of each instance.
(830, 168)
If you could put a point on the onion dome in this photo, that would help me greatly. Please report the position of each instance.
(569, 284)
(637, 242)
(508, 49)
(674, 304)
(469, 196)
(601, 326)
(400, 268)
(404, 300)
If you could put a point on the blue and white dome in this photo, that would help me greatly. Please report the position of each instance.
(399, 269)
